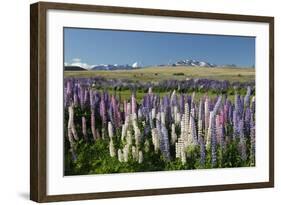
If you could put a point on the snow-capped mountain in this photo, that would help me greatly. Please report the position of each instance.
(136, 65)
(193, 63)
(115, 66)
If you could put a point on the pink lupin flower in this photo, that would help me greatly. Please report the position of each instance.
(103, 111)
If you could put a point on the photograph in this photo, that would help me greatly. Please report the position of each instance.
(141, 101)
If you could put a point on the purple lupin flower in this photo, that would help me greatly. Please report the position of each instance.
(68, 93)
(193, 129)
(247, 120)
(217, 105)
(68, 87)
(202, 151)
(92, 101)
(93, 124)
(253, 140)
(253, 105)
(218, 129)
(110, 114)
(235, 125)
(86, 98)
(242, 143)
(165, 143)
(181, 103)
(81, 95)
(103, 111)
(213, 142)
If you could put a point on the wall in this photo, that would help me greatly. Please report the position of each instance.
(14, 103)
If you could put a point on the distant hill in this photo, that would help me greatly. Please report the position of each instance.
(73, 68)
(136, 65)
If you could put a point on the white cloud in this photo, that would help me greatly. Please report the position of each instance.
(78, 62)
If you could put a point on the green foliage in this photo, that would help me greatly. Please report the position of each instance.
(94, 158)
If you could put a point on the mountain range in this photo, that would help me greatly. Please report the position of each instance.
(136, 65)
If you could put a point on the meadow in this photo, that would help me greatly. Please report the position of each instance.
(154, 74)
(158, 119)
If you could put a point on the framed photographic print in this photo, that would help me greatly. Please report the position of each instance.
(135, 102)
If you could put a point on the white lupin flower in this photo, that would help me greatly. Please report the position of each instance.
(192, 97)
(173, 134)
(120, 155)
(140, 157)
(186, 119)
(175, 112)
(208, 140)
(178, 118)
(178, 150)
(183, 132)
(158, 116)
(103, 133)
(129, 137)
(111, 149)
(71, 125)
(126, 153)
(155, 139)
(134, 117)
(129, 110)
(134, 153)
(153, 113)
(180, 146)
(146, 146)
(123, 132)
(183, 157)
(207, 115)
(137, 135)
(192, 132)
(110, 130)
(162, 115)
(140, 113)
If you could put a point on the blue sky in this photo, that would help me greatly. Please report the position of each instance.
(93, 46)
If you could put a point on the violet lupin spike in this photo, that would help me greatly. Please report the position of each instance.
(213, 140)
(242, 143)
(93, 124)
(166, 145)
(201, 144)
(253, 141)
(103, 111)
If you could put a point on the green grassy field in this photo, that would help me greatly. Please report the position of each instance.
(126, 95)
(154, 74)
